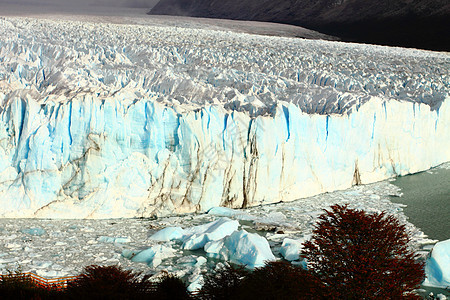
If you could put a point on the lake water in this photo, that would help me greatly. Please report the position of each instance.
(427, 196)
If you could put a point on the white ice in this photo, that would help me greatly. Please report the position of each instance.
(229, 212)
(197, 237)
(290, 248)
(168, 234)
(152, 256)
(102, 120)
(241, 247)
(109, 239)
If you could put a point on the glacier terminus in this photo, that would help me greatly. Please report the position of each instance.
(101, 120)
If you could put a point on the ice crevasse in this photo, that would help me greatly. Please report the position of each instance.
(99, 131)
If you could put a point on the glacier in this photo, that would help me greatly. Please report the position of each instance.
(101, 120)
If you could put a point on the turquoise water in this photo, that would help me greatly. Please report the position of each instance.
(427, 196)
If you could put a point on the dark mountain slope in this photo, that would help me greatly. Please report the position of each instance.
(409, 23)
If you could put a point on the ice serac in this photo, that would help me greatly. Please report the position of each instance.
(109, 121)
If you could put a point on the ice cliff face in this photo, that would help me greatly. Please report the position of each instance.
(104, 121)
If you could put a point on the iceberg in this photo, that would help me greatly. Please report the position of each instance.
(241, 247)
(196, 237)
(101, 120)
(437, 268)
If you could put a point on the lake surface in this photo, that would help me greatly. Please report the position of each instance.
(427, 196)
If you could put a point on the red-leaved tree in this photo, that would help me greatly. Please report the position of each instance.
(361, 255)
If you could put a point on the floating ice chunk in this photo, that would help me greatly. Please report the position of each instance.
(13, 246)
(191, 261)
(209, 232)
(42, 264)
(200, 261)
(152, 256)
(196, 285)
(437, 267)
(273, 218)
(229, 212)
(33, 231)
(196, 280)
(187, 261)
(7, 260)
(49, 273)
(241, 247)
(290, 249)
(168, 234)
(301, 263)
(274, 221)
(8, 237)
(115, 240)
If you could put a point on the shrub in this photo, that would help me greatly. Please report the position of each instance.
(363, 256)
(281, 280)
(20, 286)
(224, 283)
(108, 282)
(276, 280)
(170, 288)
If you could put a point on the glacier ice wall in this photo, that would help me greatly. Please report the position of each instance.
(108, 121)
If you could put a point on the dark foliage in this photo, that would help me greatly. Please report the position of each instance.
(108, 282)
(224, 283)
(170, 288)
(282, 280)
(276, 280)
(22, 287)
(363, 256)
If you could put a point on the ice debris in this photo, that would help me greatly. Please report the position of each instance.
(119, 240)
(231, 213)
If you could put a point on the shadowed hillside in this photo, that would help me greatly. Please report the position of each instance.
(409, 23)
